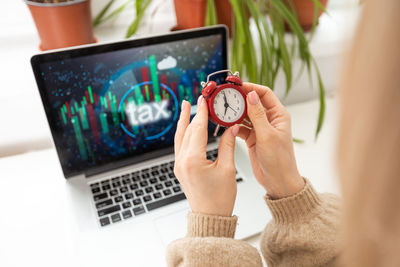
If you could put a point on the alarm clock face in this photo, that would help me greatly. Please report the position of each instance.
(229, 105)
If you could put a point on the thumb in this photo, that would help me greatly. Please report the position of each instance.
(256, 113)
(226, 149)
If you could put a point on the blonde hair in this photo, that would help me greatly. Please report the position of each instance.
(369, 139)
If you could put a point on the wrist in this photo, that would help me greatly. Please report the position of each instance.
(285, 186)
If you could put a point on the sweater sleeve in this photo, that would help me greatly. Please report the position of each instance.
(303, 231)
(209, 242)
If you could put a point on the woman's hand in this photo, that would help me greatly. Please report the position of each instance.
(210, 187)
(270, 142)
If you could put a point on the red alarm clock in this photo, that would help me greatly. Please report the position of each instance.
(226, 102)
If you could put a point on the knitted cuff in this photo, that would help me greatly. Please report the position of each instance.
(296, 207)
(202, 225)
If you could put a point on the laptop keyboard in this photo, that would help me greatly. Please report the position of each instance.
(135, 193)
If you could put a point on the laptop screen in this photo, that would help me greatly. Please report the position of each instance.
(115, 104)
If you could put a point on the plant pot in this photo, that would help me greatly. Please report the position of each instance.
(192, 13)
(62, 24)
(305, 12)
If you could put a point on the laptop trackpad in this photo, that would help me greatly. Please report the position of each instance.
(172, 226)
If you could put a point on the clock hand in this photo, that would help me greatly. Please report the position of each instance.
(226, 105)
(232, 109)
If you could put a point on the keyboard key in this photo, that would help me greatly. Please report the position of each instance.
(149, 189)
(109, 210)
(144, 183)
(139, 193)
(133, 186)
(136, 173)
(164, 165)
(157, 195)
(145, 170)
(168, 183)
(115, 179)
(167, 192)
(154, 173)
(104, 203)
(116, 218)
(106, 187)
(118, 199)
(126, 214)
(95, 190)
(176, 189)
(176, 181)
(104, 221)
(116, 184)
(164, 170)
(100, 196)
(123, 189)
(153, 180)
(166, 201)
(147, 198)
(239, 179)
(136, 201)
(136, 179)
(125, 176)
(113, 192)
(171, 175)
(163, 178)
(94, 185)
(105, 182)
(138, 210)
(145, 175)
(126, 181)
(159, 186)
(128, 196)
(126, 205)
(154, 168)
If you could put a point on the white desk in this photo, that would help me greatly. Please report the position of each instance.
(38, 226)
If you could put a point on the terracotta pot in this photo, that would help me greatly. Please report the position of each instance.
(62, 24)
(192, 13)
(305, 12)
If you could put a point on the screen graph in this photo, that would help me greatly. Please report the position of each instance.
(123, 103)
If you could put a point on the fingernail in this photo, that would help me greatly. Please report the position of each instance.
(183, 105)
(199, 100)
(235, 130)
(253, 98)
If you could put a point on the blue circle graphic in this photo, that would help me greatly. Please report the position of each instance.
(163, 131)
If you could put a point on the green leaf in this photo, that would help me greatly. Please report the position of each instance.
(321, 113)
(133, 27)
(298, 141)
(101, 14)
(116, 12)
(211, 14)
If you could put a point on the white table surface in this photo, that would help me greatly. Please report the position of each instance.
(38, 226)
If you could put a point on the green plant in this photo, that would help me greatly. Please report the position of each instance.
(106, 14)
(270, 17)
(274, 54)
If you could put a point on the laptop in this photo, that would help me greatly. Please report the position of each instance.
(112, 110)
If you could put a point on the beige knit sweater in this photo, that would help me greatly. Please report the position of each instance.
(303, 232)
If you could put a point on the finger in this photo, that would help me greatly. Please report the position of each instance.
(182, 125)
(245, 134)
(226, 148)
(241, 132)
(267, 96)
(196, 139)
(256, 113)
